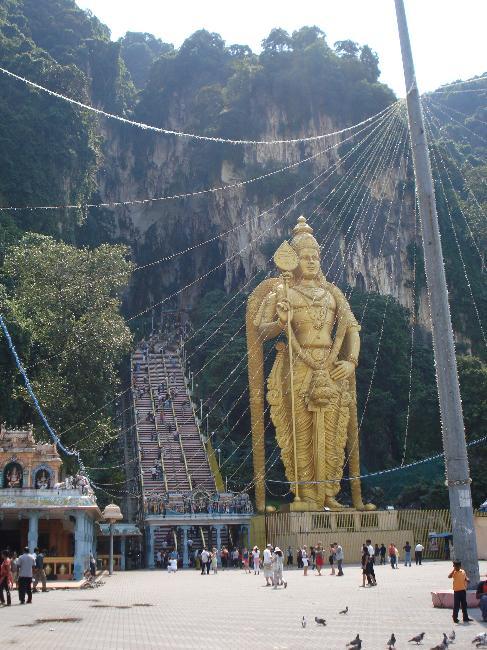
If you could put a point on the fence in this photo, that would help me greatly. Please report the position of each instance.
(351, 529)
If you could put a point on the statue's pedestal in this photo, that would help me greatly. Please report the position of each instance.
(299, 506)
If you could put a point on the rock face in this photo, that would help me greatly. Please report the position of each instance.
(364, 216)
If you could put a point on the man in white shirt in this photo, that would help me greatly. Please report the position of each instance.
(25, 564)
(370, 549)
(267, 565)
(205, 562)
(339, 557)
(418, 553)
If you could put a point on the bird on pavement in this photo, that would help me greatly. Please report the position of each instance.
(344, 611)
(445, 641)
(320, 621)
(417, 639)
(481, 640)
(452, 636)
(303, 622)
(357, 642)
(441, 646)
(392, 642)
(356, 646)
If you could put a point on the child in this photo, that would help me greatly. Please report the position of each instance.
(460, 583)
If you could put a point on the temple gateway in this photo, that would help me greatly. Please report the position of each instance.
(38, 509)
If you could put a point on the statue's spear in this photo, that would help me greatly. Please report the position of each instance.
(286, 259)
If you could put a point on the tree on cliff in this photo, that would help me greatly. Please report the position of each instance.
(63, 303)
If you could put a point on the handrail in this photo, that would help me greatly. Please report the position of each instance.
(154, 413)
(132, 388)
(188, 476)
(197, 421)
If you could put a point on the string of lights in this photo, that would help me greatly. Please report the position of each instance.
(182, 134)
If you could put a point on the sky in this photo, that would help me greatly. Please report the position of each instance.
(448, 37)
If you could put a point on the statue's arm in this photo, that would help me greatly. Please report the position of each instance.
(268, 322)
(351, 346)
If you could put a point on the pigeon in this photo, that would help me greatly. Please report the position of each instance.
(356, 646)
(442, 646)
(480, 638)
(303, 622)
(320, 621)
(344, 611)
(417, 639)
(452, 636)
(392, 642)
(355, 643)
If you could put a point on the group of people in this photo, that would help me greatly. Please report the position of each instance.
(23, 572)
(373, 555)
(316, 557)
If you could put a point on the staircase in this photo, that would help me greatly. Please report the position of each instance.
(167, 433)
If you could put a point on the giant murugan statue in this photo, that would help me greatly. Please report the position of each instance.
(311, 387)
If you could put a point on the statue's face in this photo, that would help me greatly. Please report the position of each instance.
(309, 263)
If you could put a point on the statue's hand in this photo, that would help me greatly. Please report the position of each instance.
(284, 311)
(342, 370)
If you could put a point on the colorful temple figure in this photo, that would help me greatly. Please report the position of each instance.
(42, 481)
(311, 387)
(13, 476)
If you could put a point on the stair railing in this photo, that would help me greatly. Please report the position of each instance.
(154, 412)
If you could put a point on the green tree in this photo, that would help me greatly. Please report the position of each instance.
(473, 385)
(63, 303)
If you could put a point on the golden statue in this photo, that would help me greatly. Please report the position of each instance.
(311, 388)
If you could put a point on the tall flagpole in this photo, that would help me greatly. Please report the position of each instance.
(454, 444)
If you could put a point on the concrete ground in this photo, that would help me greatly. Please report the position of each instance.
(151, 609)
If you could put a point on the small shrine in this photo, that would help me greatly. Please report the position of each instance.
(40, 508)
(25, 462)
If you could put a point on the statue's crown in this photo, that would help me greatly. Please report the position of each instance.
(303, 236)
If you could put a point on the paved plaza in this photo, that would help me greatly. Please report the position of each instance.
(151, 609)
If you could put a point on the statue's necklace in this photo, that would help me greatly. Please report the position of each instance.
(317, 317)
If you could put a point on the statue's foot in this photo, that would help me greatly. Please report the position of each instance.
(332, 504)
(360, 505)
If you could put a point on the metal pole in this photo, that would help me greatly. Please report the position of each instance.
(293, 414)
(110, 562)
(456, 459)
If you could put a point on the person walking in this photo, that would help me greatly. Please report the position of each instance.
(277, 568)
(363, 563)
(299, 558)
(377, 554)
(289, 556)
(312, 557)
(331, 559)
(39, 573)
(256, 558)
(370, 548)
(482, 596)
(224, 556)
(205, 561)
(319, 558)
(418, 553)
(460, 584)
(267, 565)
(214, 561)
(305, 560)
(6, 579)
(407, 554)
(370, 570)
(245, 560)
(392, 555)
(339, 557)
(383, 552)
(26, 564)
